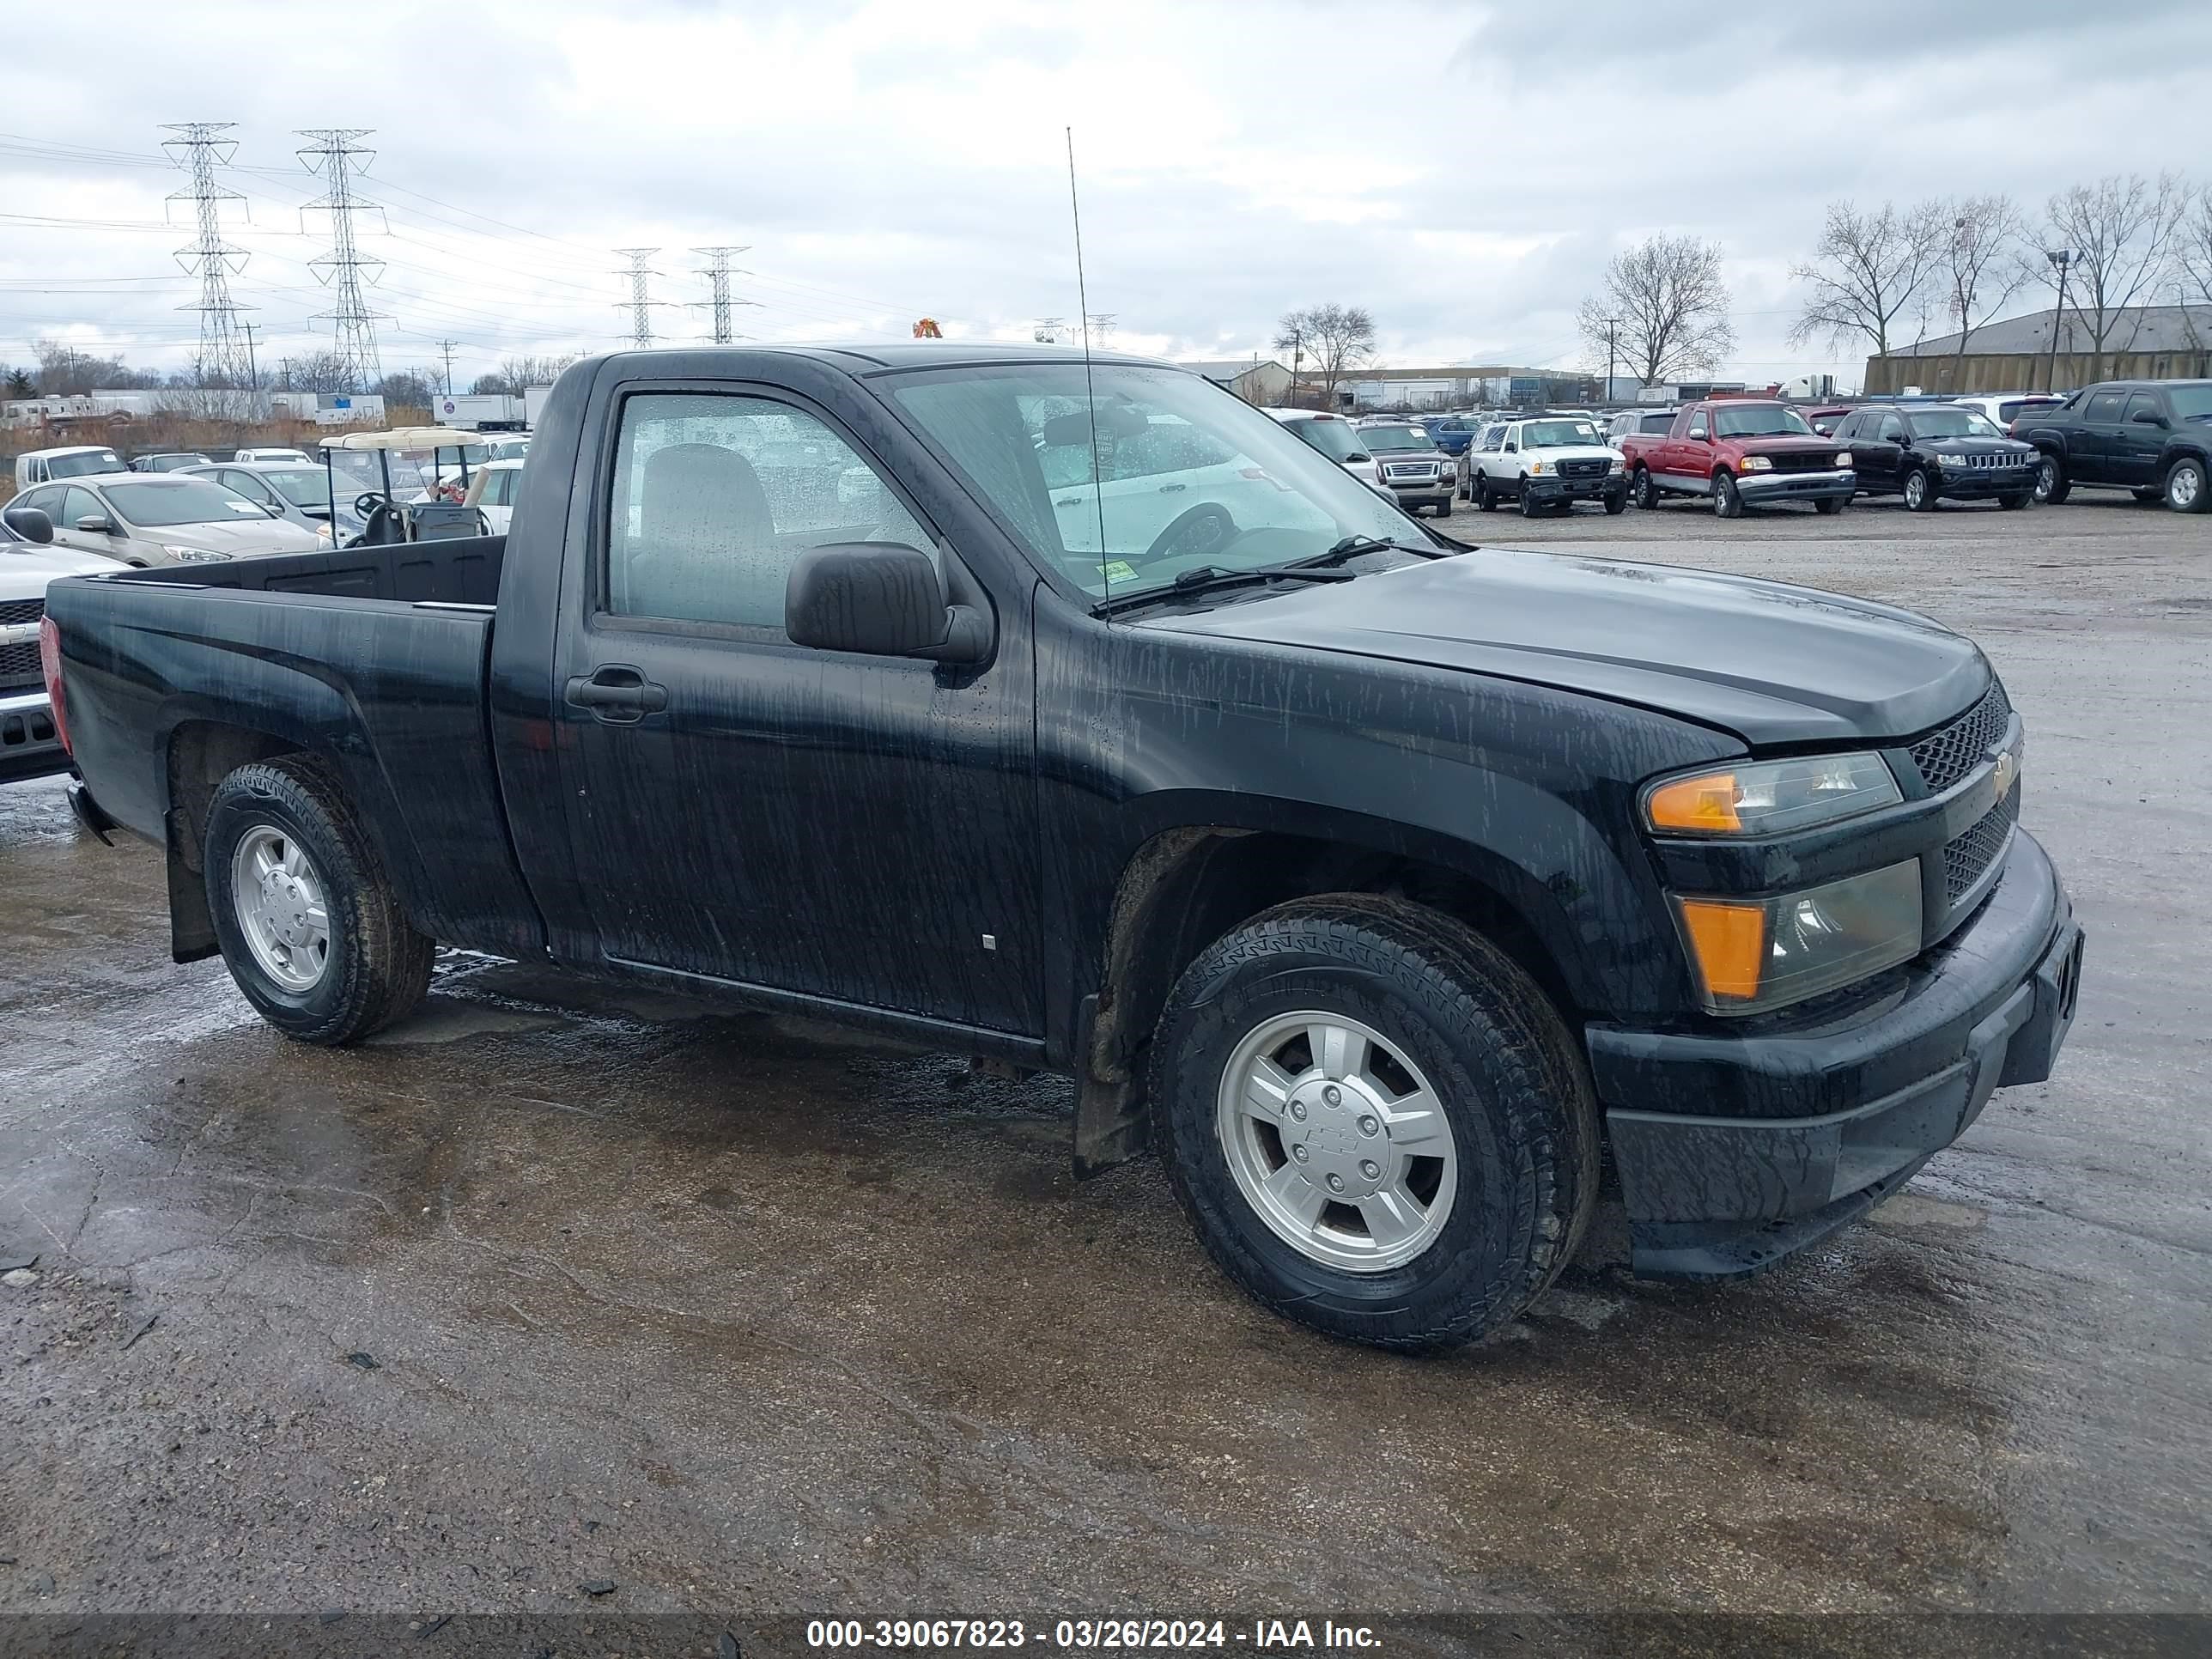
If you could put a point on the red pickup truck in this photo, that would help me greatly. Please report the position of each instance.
(1739, 452)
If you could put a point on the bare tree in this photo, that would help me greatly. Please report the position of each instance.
(1867, 270)
(1981, 266)
(516, 375)
(2124, 234)
(1666, 307)
(2193, 251)
(322, 371)
(1333, 338)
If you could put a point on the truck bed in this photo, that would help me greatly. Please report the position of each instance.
(375, 658)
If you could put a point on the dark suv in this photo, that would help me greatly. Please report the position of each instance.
(2153, 437)
(1928, 453)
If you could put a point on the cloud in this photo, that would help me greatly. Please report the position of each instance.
(1464, 177)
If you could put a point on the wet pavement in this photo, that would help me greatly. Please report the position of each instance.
(733, 1312)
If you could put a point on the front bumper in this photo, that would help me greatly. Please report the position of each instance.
(1595, 488)
(1758, 489)
(1982, 482)
(30, 746)
(1424, 492)
(1734, 1151)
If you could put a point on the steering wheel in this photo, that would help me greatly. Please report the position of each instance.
(1205, 528)
(367, 501)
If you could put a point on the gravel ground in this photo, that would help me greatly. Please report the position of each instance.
(543, 1291)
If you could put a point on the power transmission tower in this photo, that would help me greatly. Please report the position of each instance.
(718, 273)
(200, 147)
(641, 303)
(1047, 330)
(1102, 325)
(338, 156)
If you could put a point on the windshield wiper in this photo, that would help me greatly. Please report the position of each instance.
(1352, 546)
(1207, 578)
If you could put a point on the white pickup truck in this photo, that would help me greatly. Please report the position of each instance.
(30, 746)
(1547, 461)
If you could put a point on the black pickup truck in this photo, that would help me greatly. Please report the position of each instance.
(1393, 887)
(2153, 437)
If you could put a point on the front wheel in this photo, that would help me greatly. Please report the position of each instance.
(1829, 506)
(309, 926)
(2016, 500)
(1616, 504)
(1376, 1121)
(1529, 508)
(1727, 500)
(1444, 508)
(1919, 492)
(2050, 484)
(2185, 486)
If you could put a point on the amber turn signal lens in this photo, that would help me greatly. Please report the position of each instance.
(1706, 804)
(1730, 943)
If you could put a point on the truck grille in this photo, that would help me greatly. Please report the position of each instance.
(1967, 856)
(1411, 471)
(1799, 461)
(16, 611)
(1583, 469)
(19, 665)
(1958, 748)
(1983, 463)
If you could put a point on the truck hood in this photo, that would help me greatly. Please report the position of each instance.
(1570, 452)
(26, 567)
(1782, 444)
(1772, 663)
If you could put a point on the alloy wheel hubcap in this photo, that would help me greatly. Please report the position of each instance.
(1337, 1141)
(282, 908)
(2185, 487)
(1916, 490)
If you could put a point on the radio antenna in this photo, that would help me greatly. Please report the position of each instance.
(1090, 392)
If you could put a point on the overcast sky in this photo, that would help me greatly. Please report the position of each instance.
(1463, 170)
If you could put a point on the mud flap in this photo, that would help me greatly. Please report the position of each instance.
(1109, 1117)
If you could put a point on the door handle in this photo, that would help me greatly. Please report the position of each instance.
(617, 694)
(1169, 490)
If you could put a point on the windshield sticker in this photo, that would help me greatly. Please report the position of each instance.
(1117, 572)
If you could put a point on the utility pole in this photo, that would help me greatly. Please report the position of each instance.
(447, 347)
(1611, 355)
(2060, 259)
(717, 273)
(200, 147)
(639, 304)
(337, 155)
(1297, 357)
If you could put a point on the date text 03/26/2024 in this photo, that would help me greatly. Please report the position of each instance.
(1261, 1634)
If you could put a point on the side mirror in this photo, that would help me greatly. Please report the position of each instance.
(31, 523)
(1357, 455)
(2149, 418)
(272, 509)
(1698, 434)
(879, 599)
(97, 524)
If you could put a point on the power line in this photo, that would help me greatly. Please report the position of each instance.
(338, 156)
(200, 148)
(717, 273)
(639, 303)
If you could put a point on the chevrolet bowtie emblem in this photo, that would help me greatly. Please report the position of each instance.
(2008, 771)
(19, 633)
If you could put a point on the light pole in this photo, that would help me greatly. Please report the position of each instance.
(2060, 259)
(1610, 324)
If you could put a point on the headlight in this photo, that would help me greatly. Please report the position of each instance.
(1843, 458)
(191, 555)
(1616, 465)
(1950, 460)
(1758, 463)
(1750, 956)
(1769, 797)
(1535, 467)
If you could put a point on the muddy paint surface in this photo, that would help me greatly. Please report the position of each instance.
(544, 1289)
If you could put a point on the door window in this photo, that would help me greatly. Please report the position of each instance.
(2143, 403)
(79, 503)
(2104, 409)
(247, 485)
(714, 498)
(47, 500)
(1892, 429)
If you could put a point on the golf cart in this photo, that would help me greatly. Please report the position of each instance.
(400, 484)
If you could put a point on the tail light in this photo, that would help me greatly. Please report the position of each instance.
(49, 662)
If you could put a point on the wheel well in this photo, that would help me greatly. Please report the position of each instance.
(202, 754)
(1186, 888)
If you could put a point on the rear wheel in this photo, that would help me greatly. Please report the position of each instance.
(1728, 501)
(2050, 484)
(309, 926)
(1485, 498)
(1647, 493)
(1376, 1121)
(2185, 486)
(1920, 491)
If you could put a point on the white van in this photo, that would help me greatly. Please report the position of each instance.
(75, 461)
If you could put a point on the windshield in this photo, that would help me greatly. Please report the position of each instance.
(2190, 403)
(1557, 435)
(1759, 420)
(1952, 424)
(301, 486)
(1394, 440)
(1333, 438)
(1190, 475)
(185, 501)
(79, 466)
